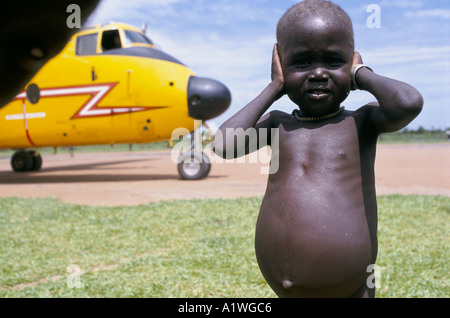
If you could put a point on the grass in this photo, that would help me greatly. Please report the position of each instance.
(414, 245)
(169, 249)
(412, 137)
(193, 248)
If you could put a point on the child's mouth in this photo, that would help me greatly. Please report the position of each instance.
(318, 93)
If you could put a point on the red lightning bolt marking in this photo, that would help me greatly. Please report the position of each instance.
(90, 108)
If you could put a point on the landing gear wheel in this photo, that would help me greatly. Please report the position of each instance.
(21, 161)
(37, 160)
(24, 160)
(194, 166)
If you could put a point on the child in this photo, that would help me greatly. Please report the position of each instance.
(316, 233)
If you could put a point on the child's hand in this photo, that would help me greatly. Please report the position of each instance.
(357, 59)
(277, 71)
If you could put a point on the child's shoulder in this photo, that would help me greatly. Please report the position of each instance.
(274, 118)
(365, 112)
(280, 116)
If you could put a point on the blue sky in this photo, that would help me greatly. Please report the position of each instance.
(232, 41)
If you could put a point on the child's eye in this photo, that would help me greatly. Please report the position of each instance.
(302, 64)
(335, 63)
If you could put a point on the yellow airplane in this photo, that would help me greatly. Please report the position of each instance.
(110, 85)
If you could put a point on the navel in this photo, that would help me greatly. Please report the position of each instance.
(287, 284)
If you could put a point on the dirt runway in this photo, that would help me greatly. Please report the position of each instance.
(114, 179)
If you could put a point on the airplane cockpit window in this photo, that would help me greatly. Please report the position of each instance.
(136, 37)
(86, 44)
(111, 40)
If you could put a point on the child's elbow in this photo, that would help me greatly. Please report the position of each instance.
(412, 102)
(408, 107)
(417, 104)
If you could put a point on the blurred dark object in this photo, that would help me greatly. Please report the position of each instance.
(31, 33)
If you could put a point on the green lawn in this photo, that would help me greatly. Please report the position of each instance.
(201, 248)
(412, 137)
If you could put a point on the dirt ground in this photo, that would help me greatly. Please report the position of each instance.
(114, 179)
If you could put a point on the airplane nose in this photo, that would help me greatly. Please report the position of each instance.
(207, 98)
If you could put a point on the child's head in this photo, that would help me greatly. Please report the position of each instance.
(316, 46)
(313, 8)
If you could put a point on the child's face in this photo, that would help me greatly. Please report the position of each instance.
(316, 62)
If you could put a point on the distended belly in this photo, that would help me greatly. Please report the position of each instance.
(312, 241)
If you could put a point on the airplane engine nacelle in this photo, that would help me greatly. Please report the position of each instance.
(207, 98)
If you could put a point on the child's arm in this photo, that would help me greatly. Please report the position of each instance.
(399, 102)
(234, 129)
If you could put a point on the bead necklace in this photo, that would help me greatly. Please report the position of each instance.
(297, 115)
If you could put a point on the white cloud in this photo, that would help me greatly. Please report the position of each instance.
(119, 10)
(425, 68)
(402, 3)
(408, 54)
(232, 41)
(429, 13)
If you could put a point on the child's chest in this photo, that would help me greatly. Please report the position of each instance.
(321, 146)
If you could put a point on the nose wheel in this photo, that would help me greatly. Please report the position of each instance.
(194, 166)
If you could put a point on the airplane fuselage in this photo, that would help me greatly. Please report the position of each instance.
(123, 95)
(109, 85)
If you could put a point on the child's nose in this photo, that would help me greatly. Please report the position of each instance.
(318, 74)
